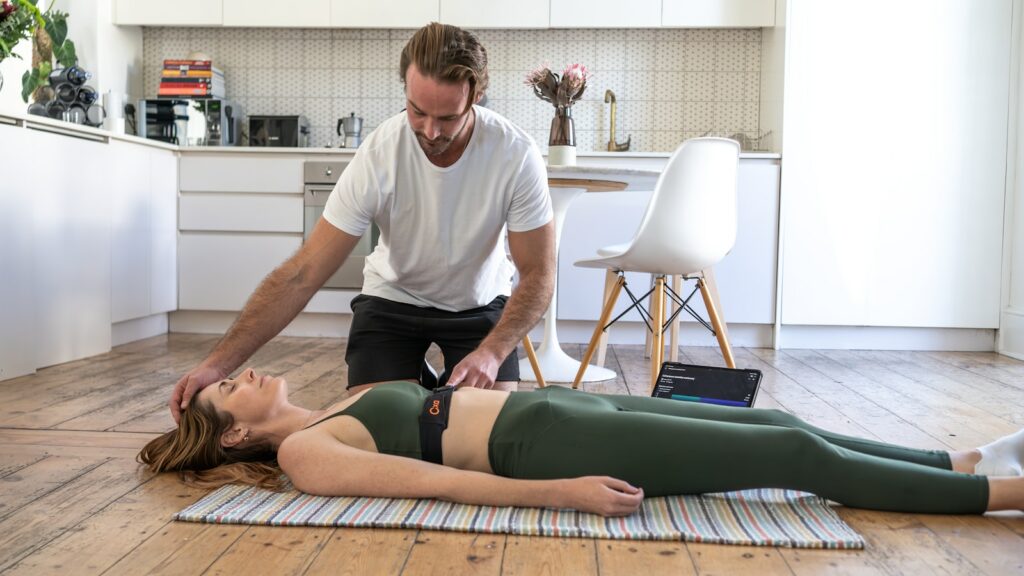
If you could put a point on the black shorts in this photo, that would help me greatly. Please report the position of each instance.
(388, 340)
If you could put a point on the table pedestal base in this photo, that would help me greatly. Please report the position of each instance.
(557, 366)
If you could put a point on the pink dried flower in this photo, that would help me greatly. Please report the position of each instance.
(561, 91)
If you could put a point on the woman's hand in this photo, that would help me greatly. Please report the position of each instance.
(601, 495)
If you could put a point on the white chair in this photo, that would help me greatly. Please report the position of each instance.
(689, 226)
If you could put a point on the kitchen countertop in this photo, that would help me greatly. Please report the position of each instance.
(77, 130)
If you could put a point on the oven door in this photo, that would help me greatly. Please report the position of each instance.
(350, 274)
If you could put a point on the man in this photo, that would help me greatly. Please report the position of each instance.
(443, 181)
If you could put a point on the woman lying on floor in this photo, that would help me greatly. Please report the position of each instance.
(556, 447)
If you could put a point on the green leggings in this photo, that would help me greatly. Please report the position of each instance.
(675, 447)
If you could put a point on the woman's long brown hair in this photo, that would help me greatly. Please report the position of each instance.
(194, 450)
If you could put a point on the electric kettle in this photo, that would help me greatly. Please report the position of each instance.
(352, 129)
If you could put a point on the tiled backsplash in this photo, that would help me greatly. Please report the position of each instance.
(670, 84)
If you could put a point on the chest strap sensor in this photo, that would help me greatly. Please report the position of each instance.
(433, 422)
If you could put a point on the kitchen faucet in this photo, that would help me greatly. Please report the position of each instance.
(613, 146)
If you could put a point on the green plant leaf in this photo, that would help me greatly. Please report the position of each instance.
(28, 84)
(66, 54)
(57, 28)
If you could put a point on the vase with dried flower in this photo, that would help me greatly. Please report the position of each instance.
(562, 92)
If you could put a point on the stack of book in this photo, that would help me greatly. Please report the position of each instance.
(191, 78)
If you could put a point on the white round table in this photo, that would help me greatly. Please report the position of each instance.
(566, 186)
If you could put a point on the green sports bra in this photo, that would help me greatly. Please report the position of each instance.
(391, 412)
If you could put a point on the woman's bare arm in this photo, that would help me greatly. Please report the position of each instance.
(318, 463)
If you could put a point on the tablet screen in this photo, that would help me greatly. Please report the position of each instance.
(707, 384)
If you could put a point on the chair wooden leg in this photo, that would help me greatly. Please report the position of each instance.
(606, 314)
(648, 343)
(712, 284)
(716, 323)
(658, 339)
(673, 342)
(532, 355)
(610, 278)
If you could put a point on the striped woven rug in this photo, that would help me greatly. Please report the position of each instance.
(752, 517)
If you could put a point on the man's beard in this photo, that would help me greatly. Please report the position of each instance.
(442, 143)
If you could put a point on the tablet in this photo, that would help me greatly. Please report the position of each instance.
(707, 384)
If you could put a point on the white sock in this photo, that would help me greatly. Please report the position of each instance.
(1004, 457)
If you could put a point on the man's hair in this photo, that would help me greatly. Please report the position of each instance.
(448, 54)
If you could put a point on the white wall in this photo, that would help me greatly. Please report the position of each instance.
(112, 53)
(1011, 330)
(773, 67)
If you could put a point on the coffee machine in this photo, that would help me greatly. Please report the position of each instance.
(352, 129)
(196, 122)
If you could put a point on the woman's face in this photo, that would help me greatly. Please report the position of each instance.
(251, 399)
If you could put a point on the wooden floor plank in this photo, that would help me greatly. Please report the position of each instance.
(279, 550)
(629, 558)
(436, 552)
(991, 546)
(722, 559)
(827, 380)
(35, 524)
(359, 551)
(894, 374)
(832, 562)
(41, 478)
(100, 541)
(957, 381)
(932, 431)
(12, 461)
(545, 556)
(903, 545)
(179, 548)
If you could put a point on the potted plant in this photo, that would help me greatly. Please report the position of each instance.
(22, 19)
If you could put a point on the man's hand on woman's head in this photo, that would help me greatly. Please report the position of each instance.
(477, 370)
(190, 384)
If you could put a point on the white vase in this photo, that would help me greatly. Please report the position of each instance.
(561, 155)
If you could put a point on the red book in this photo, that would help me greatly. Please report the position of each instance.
(189, 63)
(183, 91)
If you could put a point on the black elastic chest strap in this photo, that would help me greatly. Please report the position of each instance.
(433, 421)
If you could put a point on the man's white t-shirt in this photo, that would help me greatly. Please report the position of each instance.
(442, 230)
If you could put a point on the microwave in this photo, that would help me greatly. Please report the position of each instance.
(282, 131)
(190, 122)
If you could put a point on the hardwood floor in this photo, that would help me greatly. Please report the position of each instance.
(74, 501)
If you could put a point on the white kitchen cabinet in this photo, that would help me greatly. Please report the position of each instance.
(241, 216)
(143, 228)
(746, 277)
(163, 261)
(131, 223)
(18, 188)
(605, 14)
(906, 228)
(277, 14)
(496, 13)
(718, 13)
(231, 172)
(71, 248)
(383, 13)
(241, 212)
(221, 271)
(163, 13)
